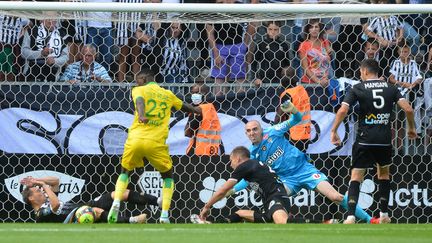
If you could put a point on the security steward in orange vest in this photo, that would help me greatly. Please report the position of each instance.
(204, 129)
(300, 134)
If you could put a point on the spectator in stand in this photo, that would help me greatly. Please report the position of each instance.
(77, 28)
(416, 27)
(405, 74)
(204, 129)
(87, 70)
(171, 54)
(349, 43)
(371, 50)
(315, 54)
(228, 44)
(99, 30)
(388, 31)
(271, 56)
(128, 44)
(146, 39)
(45, 50)
(11, 28)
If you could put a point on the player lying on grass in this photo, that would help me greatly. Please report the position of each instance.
(266, 184)
(41, 195)
(292, 166)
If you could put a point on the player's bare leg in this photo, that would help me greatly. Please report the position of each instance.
(120, 188)
(280, 217)
(247, 215)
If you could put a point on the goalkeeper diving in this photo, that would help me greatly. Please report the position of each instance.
(292, 166)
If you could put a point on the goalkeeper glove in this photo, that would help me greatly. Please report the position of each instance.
(288, 107)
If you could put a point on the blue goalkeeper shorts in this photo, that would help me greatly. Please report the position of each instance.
(307, 177)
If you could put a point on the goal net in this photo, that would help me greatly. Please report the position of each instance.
(68, 69)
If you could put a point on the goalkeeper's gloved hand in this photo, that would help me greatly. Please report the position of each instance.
(288, 107)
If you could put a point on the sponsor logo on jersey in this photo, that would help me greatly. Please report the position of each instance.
(271, 204)
(263, 148)
(378, 119)
(69, 186)
(276, 155)
(255, 187)
(316, 176)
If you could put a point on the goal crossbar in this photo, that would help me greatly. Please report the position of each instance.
(220, 8)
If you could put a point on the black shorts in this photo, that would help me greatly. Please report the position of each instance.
(274, 204)
(366, 156)
(104, 202)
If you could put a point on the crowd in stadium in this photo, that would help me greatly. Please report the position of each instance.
(319, 50)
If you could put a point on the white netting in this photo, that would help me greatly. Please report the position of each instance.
(69, 117)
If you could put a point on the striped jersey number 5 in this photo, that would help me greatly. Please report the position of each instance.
(151, 105)
(378, 99)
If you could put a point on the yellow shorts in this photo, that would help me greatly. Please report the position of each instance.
(135, 150)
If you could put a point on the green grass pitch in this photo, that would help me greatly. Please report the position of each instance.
(190, 233)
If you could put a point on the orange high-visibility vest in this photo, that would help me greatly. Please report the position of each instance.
(208, 137)
(301, 100)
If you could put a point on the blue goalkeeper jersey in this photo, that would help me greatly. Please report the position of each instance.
(277, 152)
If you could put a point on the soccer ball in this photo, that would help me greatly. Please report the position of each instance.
(85, 215)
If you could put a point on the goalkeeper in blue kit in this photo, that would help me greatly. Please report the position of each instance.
(291, 165)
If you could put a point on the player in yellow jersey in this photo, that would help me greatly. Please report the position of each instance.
(146, 139)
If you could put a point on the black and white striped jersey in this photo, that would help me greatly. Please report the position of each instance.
(405, 72)
(173, 56)
(148, 28)
(11, 29)
(127, 23)
(385, 27)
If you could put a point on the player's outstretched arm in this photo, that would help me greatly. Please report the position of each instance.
(409, 111)
(191, 109)
(218, 195)
(341, 114)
